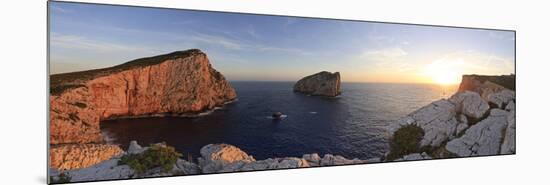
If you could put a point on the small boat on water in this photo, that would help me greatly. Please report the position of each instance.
(277, 115)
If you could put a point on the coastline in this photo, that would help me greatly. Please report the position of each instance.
(183, 84)
(183, 115)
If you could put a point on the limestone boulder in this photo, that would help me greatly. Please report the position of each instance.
(502, 98)
(312, 159)
(470, 104)
(215, 157)
(277, 163)
(509, 143)
(261, 165)
(292, 162)
(106, 170)
(233, 167)
(330, 160)
(511, 106)
(483, 138)
(135, 148)
(187, 168)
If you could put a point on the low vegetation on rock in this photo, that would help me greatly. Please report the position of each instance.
(406, 140)
(157, 155)
(61, 82)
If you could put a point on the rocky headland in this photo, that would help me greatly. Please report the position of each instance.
(320, 84)
(478, 120)
(181, 83)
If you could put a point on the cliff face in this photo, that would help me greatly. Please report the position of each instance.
(320, 84)
(175, 84)
(485, 85)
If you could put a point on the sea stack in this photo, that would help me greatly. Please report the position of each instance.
(323, 83)
(174, 84)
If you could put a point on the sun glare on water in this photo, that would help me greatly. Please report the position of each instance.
(445, 71)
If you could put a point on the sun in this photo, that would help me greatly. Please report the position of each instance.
(445, 71)
(444, 78)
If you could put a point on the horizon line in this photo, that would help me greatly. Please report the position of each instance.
(373, 82)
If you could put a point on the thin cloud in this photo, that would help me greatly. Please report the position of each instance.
(481, 63)
(386, 53)
(80, 42)
(376, 36)
(388, 59)
(279, 49)
(234, 44)
(224, 39)
(217, 40)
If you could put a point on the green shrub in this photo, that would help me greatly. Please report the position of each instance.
(62, 178)
(158, 155)
(405, 141)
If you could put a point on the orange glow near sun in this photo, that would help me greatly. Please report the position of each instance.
(445, 71)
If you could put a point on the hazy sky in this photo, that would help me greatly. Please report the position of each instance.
(271, 48)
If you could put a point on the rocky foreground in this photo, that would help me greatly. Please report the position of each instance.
(320, 84)
(181, 83)
(478, 120)
(215, 158)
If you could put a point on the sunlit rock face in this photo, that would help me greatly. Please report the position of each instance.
(73, 156)
(177, 84)
(485, 85)
(320, 84)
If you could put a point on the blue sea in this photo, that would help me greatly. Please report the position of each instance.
(350, 125)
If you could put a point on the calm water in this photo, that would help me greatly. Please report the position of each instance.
(350, 125)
